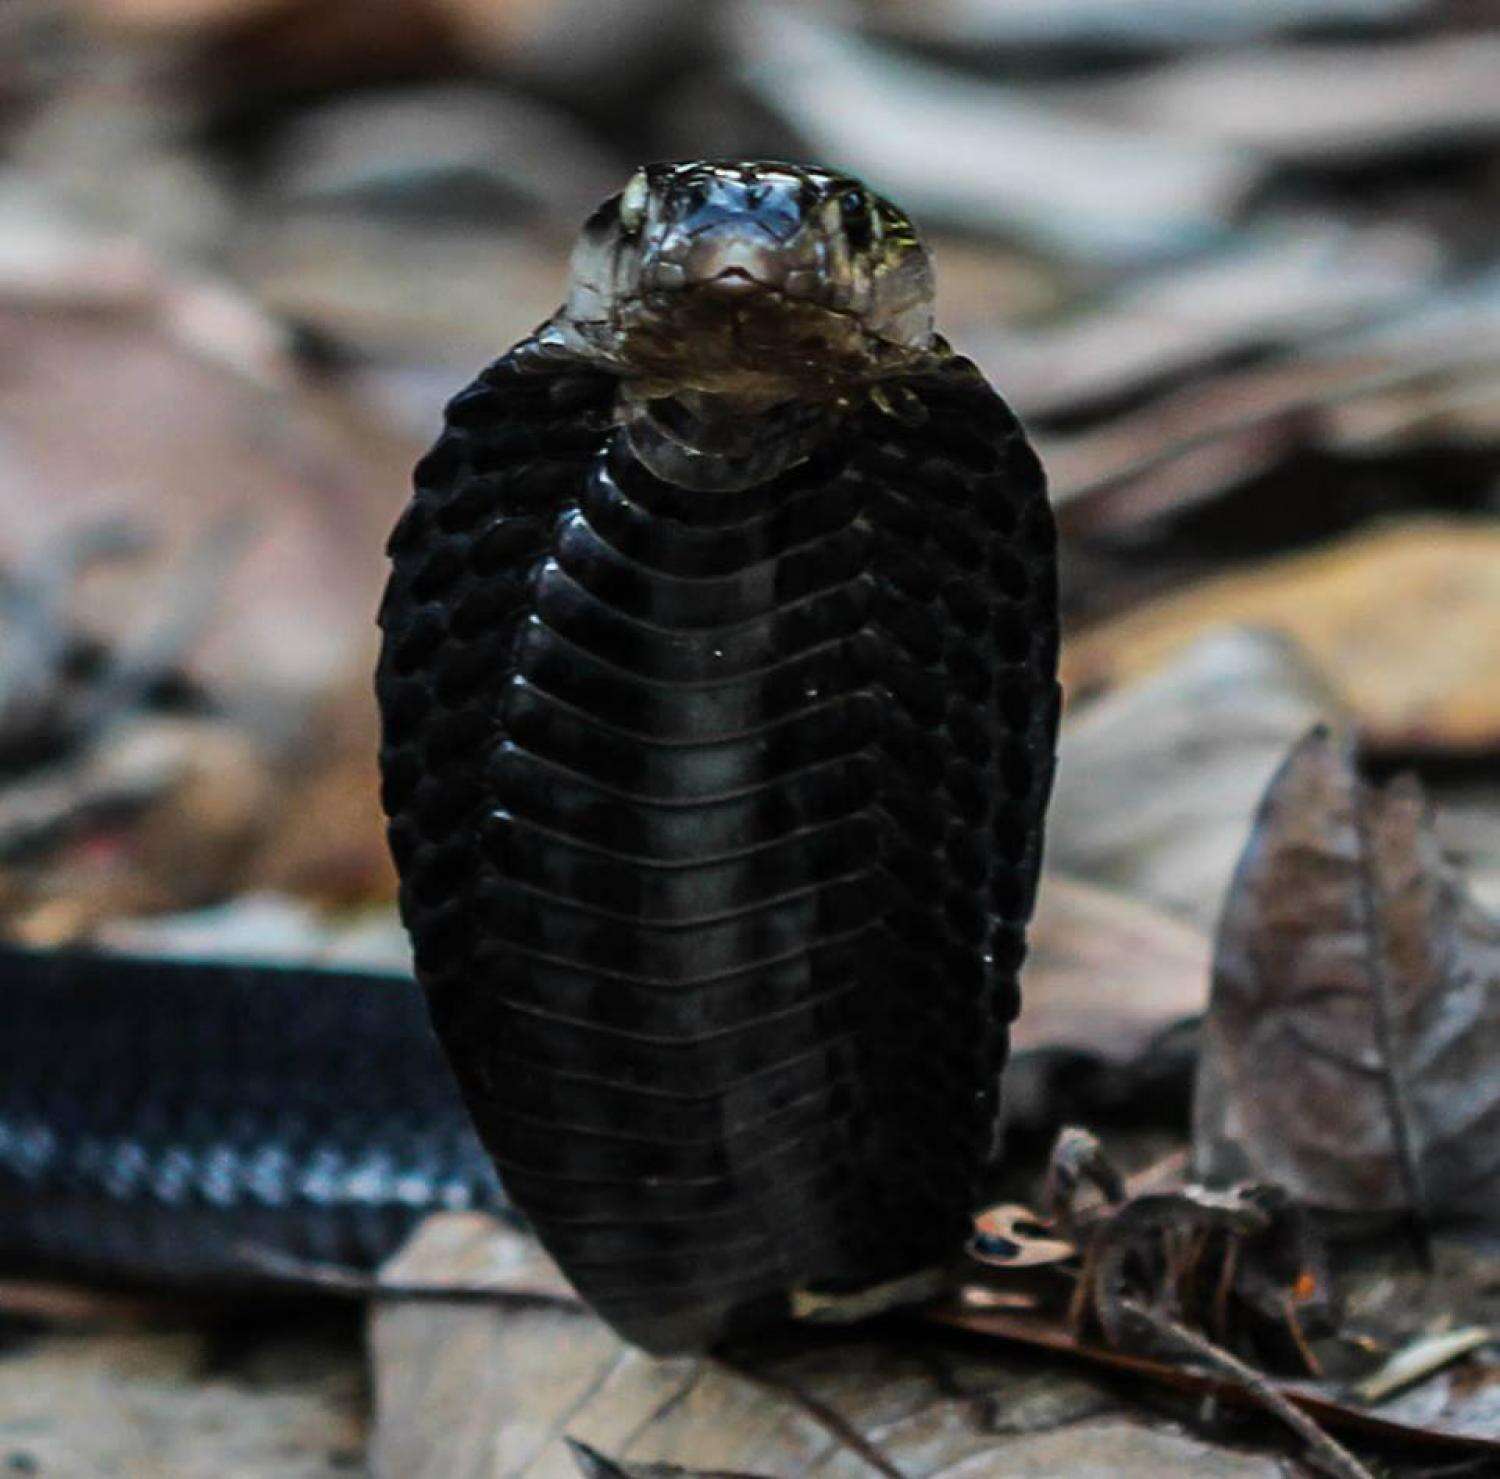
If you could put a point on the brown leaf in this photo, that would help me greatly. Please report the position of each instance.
(181, 1403)
(1231, 426)
(470, 1252)
(326, 840)
(1011, 1236)
(1320, 103)
(1043, 1332)
(1289, 283)
(360, 280)
(1405, 621)
(1030, 163)
(1156, 969)
(160, 815)
(1350, 1049)
(117, 413)
(466, 1391)
(1157, 780)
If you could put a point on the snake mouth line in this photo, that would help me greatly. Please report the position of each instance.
(734, 291)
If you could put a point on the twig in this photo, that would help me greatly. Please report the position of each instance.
(341, 1280)
(1421, 1359)
(1322, 1450)
(834, 1423)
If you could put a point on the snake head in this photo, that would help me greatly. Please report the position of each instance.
(760, 279)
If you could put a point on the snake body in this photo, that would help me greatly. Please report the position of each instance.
(214, 1125)
(719, 703)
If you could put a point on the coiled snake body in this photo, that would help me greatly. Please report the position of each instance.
(719, 706)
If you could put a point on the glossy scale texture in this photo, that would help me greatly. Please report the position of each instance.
(718, 817)
(202, 1124)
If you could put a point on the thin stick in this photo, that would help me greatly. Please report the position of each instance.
(1323, 1451)
(352, 1283)
(833, 1422)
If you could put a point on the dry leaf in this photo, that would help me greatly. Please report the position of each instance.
(1027, 162)
(1044, 1333)
(176, 1405)
(1106, 973)
(326, 839)
(1109, 991)
(115, 411)
(1350, 1048)
(368, 283)
(1158, 780)
(473, 1253)
(462, 150)
(1463, 1399)
(1403, 620)
(1126, 24)
(1322, 103)
(1286, 283)
(160, 814)
(1111, 478)
(475, 1392)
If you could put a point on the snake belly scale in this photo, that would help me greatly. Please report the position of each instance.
(719, 703)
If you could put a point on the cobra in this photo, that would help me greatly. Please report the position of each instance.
(719, 703)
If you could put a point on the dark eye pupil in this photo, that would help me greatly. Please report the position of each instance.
(856, 213)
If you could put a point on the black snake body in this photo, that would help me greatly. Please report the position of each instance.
(718, 814)
(217, 1125)
(719, 710)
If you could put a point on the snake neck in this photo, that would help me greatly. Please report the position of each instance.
(722, 443)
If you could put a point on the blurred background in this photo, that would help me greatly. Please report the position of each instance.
(1236, 265)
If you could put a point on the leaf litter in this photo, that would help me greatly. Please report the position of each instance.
(1198, 1278)
(1353, 1032)
(1281, 339)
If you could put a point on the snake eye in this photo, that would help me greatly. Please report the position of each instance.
(633, 203)
(855, 210)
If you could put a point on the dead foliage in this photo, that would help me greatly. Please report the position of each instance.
(1354, 1024)
(1234, 264)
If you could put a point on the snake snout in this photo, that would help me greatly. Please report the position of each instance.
(735, 262)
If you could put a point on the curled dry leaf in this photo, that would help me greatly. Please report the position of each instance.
(1244, 1264)
(1011, 1236)
(1353, 1033)
(1405, 620)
